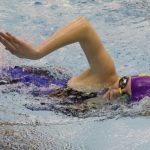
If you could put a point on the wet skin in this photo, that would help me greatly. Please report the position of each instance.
(101, 72)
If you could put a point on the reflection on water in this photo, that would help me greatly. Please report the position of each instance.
(124, 27)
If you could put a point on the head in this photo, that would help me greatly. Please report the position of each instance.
(119, 88)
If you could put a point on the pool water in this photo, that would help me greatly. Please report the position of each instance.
(124, 27)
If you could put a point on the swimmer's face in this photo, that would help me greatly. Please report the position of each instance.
(113, 92)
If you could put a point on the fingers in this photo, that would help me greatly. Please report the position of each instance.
(8, 42)
(5, 36)
(13, 38)
(8, 45)
(5, 39)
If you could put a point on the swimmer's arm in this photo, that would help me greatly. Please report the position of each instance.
(71, 33)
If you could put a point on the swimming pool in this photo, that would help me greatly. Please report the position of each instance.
(124, 27)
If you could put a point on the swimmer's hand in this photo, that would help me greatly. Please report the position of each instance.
(18, 47)
(111, 94)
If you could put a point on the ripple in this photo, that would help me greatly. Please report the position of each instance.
(124, 29)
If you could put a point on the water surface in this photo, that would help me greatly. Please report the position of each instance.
(124, 27)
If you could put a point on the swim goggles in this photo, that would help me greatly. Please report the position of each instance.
(122, 84)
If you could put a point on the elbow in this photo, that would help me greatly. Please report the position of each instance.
(86, 27)
(83, 18)
(85, 22)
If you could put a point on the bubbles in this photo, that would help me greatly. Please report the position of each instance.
(49, 93)
(124, 29)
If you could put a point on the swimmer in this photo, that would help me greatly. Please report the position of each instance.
(101, 72)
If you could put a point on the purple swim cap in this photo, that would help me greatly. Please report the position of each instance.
(140, 87)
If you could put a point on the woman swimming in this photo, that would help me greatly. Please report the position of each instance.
(100, 74)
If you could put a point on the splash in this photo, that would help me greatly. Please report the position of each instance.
(49, 92)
